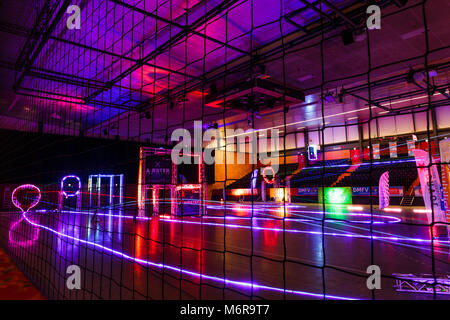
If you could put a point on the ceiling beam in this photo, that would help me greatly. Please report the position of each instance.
(112, 54)
(177, 25)
(316, 10)
(340, 13)
(41, 42)
(172, 40)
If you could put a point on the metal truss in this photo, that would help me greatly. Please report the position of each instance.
(421, 284)
(269, 50)
(39, 36)
(172, 41)
(42, 32)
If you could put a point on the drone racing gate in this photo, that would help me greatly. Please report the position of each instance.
(105, 190)
(163, 187)
(70, 193)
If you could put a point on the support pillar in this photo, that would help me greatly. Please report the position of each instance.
(263, 191)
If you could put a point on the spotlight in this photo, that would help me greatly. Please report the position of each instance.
(341, 96)
(418, 76)
(249, 121)
(432, 73)
(347, 37)
(329, 98)
(410, 76)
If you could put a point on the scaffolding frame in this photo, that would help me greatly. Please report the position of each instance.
(175, 189)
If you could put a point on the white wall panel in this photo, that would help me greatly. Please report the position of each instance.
(352, 133)
(443, 117)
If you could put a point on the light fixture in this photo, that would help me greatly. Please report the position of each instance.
(329, 97)
(347, 36)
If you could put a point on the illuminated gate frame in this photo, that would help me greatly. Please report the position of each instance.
(63, 195)
(111, 178)
(175, 189)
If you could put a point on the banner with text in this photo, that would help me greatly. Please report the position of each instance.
(431, 190)
(444, 149)
(384, 193)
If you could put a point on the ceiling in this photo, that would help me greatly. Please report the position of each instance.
(140, 69)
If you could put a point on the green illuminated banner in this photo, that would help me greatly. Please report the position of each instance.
(342, 195)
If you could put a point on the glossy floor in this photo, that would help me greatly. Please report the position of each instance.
(253, 252)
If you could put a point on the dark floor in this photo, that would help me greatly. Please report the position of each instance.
(122, 257)
(14, 285)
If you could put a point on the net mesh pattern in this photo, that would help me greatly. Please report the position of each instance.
(135, 71)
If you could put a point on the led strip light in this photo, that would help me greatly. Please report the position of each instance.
(243, 284)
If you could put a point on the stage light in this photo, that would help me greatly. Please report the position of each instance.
(347, 37)
(418, 76)
(410, 76)
(341, 96)
(249, 121)
(329, 97)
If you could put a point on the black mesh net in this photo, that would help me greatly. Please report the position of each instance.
(339, 173)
